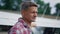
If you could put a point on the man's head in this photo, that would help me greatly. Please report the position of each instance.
(29, 11)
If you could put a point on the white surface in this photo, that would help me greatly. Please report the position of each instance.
(45, 22)
(8, 18)
(11, 19)
(38, 30)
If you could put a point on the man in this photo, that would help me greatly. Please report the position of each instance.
(29, 14)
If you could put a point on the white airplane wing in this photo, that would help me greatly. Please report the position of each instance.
(11, 18)
(8, 18)
(46, 22)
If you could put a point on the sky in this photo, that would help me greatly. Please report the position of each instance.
(52, 4)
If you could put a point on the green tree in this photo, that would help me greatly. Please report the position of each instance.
(41, 4)
(9, 4)
(43, 7)
(57, 8)
(2, 4)
(48, 9)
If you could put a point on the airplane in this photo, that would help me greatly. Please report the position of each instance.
(7, 20)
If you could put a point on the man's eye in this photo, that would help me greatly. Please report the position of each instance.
(34, 12)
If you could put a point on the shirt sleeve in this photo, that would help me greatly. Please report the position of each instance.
(15, 31)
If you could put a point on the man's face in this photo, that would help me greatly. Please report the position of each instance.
(31, 14)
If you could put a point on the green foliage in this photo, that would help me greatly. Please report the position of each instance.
(57, 8)
(43, 7)
(10, 3)
(57, 5)
(48, 9)
(41, 3)
(2, 7)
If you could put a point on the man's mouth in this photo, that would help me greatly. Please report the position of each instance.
(34, 18)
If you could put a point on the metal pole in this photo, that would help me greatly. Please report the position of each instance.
(58, 14)
(44, 12)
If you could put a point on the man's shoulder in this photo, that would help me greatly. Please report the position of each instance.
(18, 25)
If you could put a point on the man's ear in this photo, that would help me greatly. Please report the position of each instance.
(22, 12)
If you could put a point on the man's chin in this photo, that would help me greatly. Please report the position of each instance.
(32, 20)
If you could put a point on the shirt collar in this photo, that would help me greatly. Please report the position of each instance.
(23, 22)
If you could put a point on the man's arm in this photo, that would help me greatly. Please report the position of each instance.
(15, 30)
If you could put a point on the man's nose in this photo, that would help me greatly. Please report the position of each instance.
(35, 14)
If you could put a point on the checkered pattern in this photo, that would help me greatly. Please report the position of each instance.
(20, 28)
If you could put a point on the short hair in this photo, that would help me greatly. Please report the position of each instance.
(26, 5)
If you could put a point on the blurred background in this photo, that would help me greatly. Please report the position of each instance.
(10, 12)
(50, 8)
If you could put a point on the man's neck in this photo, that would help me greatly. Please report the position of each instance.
(27, 21)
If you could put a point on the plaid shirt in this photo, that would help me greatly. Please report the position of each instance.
(20, 28)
